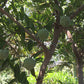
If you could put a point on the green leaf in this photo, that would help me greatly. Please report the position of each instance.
(23, 78)
(22, 14)
(29, 45)
(49, 25)
(17, 71)
(33, 72)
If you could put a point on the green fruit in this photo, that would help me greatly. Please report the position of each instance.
(29, 63)
(65, 21)
(43, 34)
(4, 54)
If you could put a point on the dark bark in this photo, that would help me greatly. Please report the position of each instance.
(43, 68)
(79, 60)
(80, 70)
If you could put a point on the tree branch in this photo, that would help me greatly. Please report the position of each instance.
(77, 11)
(43, 68)
(37, 53)
(48, 55)
(31, 35)
(57, 32)
(57, 13)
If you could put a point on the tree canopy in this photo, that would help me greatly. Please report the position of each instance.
(20, 22)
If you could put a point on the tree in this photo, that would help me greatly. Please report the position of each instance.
(14, 20)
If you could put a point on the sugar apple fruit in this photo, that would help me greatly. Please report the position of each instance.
(43, 34)
(29, 63)
(4, 54)
(65, 21)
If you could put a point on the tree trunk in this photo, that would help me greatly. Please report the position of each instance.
(80, 70)
(43, 69)
(48, 54)
(79, 58)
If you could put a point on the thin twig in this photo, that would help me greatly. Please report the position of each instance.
(37, 53)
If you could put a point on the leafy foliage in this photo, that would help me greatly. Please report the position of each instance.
(34, 15)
